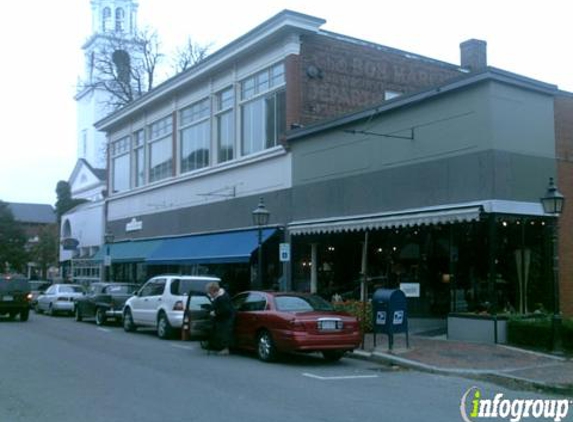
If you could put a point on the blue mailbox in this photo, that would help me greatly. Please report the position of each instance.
(390, 314)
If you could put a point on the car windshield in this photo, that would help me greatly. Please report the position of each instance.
(71, 289)
(302, 303)
(122, 289)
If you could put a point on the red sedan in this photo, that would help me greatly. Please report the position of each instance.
(274, 322)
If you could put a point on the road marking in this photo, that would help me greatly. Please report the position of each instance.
(178, 346)
(105, 330)
(342, 377)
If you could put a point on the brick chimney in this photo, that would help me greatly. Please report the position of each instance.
(473, 55)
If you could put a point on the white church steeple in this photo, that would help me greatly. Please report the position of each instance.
(110, 19)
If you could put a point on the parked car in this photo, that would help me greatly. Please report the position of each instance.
(37, 287)
(14, 296)
(160, 303)
(58, 298)
(274, 322)
(104, 301)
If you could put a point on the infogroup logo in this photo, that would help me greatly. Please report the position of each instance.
(474, 407)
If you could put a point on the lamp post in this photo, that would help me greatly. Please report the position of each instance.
(260, 218)
(553, 203)
(108, 238)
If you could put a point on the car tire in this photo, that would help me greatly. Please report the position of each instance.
(266, 349)
(100, 318)
(333, 355)
(77, 314)
(164, 329)
(128, 324)
(24, 315)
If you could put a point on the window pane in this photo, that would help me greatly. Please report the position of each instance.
(121, 173)
(253, 127)
(139, 167)
(160, 160)
(225, 99)
(248, 88)
(226, 135)
(195, 147)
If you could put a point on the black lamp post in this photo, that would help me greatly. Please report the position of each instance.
(553, 203)
(108, 238)
(260, 218)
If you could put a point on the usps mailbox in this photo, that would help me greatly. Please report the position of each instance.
(390, 314)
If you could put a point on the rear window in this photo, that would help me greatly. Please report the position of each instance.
(13, 284)
(122, 289)
(182, 286)
(302, 304)
(71, 289)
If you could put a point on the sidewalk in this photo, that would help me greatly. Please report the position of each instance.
(496, 363)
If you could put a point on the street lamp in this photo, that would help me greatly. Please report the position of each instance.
(108, 238)
(260, 218)
(553, 203)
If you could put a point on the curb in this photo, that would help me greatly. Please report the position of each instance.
(485, 375)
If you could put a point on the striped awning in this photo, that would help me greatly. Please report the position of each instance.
(447, 214)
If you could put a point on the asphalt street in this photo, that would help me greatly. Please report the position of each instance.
(56, 369)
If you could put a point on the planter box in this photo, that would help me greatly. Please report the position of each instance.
(477, 328)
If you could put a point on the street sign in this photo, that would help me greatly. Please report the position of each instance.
(107, 260)
(284, 252)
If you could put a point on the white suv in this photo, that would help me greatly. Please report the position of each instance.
(160, 303)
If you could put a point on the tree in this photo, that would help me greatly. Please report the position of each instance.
(45, 252)
(189, 54)
(13, 255)
(128, 67)
(65, 201)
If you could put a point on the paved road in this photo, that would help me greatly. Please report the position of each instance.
(56, 369)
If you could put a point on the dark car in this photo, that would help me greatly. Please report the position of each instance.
(103, 301)
(14, 296)
(274, 322)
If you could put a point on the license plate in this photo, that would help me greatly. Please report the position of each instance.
(329, 325)
(7, 298)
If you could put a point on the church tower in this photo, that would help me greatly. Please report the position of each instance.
(111, 20)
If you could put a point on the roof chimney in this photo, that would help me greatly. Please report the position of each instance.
(473, 54)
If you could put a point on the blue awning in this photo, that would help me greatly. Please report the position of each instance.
(131, 251)
(219, 248)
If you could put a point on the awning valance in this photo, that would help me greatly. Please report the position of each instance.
(447, 214)
(218, 248)
(130, 251)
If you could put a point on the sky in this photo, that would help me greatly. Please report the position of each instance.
(40, 43)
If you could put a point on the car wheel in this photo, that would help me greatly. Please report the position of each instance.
(266, 349)
(77, 314)
(128, 324)
(24, 314)
(163, 327)
(333, 355)
(100, 316)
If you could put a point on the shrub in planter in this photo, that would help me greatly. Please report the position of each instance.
(356, 308)
(534, 332)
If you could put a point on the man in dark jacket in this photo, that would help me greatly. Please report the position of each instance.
(223, 316)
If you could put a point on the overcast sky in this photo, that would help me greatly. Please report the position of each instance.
(42, 59)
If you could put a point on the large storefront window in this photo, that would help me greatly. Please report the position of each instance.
(120, 165)
(263, 110)
(195, 136)
(160, 150)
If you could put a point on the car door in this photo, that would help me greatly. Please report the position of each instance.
(138, 303)
(250, 315)
(152, 302)
(45, 299)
